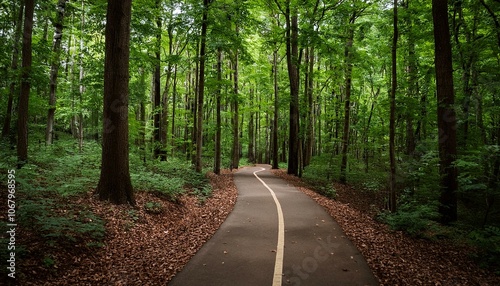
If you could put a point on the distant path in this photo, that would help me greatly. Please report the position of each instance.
(257, 246)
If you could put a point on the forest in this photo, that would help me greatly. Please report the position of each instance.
(398, 99)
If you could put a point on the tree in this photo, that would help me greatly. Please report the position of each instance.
(115, 184)
(22, 125)
(292, 58)
(14, 66)
(392, 120)
(235, 157)
(54, 69)
(347, 102)
(201, 88)
(157, 118)
(447, 122)
(218, 132)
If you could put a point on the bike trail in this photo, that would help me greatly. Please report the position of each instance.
(275, 235)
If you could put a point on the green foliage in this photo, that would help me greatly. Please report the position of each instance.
(57, 227)
(153, 207)
(488, 242)
(49, 261)
(416, 220)
(318, 176)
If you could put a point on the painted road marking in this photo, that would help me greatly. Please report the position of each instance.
(278, 265)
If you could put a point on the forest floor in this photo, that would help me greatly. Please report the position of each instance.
(146, 248)
(141, 247)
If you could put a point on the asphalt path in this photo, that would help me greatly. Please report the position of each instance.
(276, 235)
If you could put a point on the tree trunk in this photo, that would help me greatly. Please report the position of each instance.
(392, 120)
(22, 125)
(201, 89)
(115, 184)
(347, 102)
(292, 54)
(82, 87)
(446, 114)
(174, 111)
(157, 111)
(54, 69)
(14, 66)
(218, 135)
(251, 130)
(276, 111)
(235, 158)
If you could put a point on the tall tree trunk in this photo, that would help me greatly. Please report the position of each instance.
(251, 129)
(309, 84)
(292, 56)
(22, 125)
(392, 120)
(445, 112)
(218, 135)
(347, 102)
(412, 82)
(114, 183)
(14, 65)
(235, 158)
(201, 88)
(174, 111)
(157, 111)
(82, 87)
(54, 70)
(276, 111)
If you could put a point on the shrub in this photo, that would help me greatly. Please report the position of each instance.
(412, 219)
(487, 240)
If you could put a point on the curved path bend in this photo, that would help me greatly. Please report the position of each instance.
(276, 235)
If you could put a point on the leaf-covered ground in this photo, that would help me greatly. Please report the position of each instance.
(141, 247)
(395, 258)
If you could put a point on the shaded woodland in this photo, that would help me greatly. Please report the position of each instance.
(398, 99)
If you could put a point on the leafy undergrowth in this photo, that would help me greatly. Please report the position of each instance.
(394, 257)
(145, 245)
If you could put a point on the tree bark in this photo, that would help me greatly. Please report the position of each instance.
(292, 56)
(251, 130)
(218, 135)
(201, 88)
(14, 65)
(157, 117)
(22, 125)
(447, 122)
(347, 102)
(235, 103)
(114, 183)
(276, 111)
(392, 120)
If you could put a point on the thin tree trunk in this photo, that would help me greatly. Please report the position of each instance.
(201, 88)
(114, 183)
(174, 110)
(347, 102)
(445, 112)
(157, 111)
(235, 104)
(392, 120)
(82, 87)
(22, 125)
(251, 129)
(14, 65)
(54, 69)
(309, 142)
(218, 135)
(276, 111)
(292, 54)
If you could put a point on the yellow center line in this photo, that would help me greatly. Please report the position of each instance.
(278, 265)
